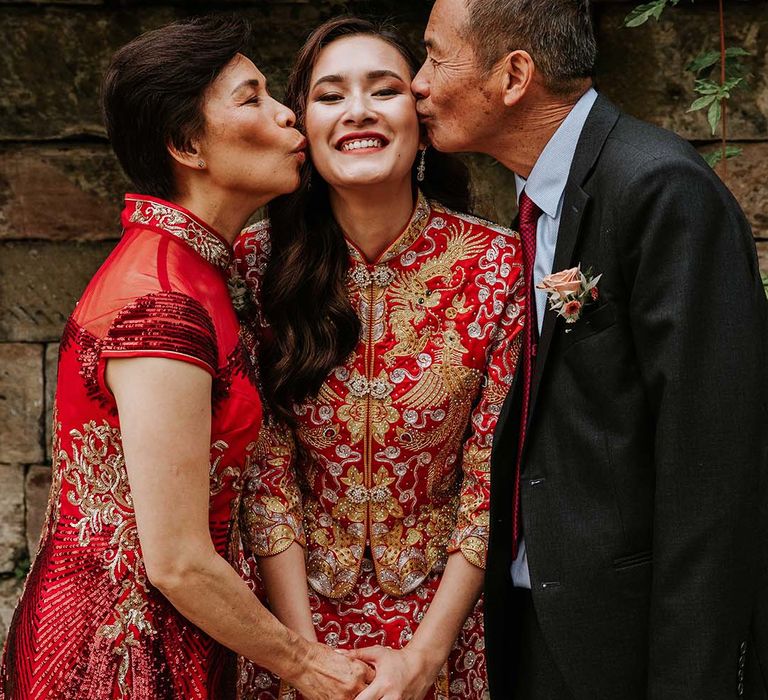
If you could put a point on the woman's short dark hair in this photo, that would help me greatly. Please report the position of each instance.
(153, 93)
(304, 296)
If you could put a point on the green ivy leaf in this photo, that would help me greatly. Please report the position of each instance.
(702, 102)
(713, 115)
(714, 157)
(712, 58)
(705, 60)
(642, 13)
(732, 83)
(706, 87)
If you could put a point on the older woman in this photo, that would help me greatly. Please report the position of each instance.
(132, 594)
(391, 333)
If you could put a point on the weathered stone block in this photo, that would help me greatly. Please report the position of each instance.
(644, 69)
(37, 487)
(51, 373)
(39, 285)
(60, 192)
(10, 591)
(21, 403)
(494, 189)
(12, 537)
(54, 93)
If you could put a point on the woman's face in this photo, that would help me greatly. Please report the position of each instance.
(361, 119)
(249, 145)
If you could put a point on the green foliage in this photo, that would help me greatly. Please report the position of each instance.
(710, 59)
(714, 157)
(713, 90)
(712, 96)
(651, 10)
(712, 93)
(22, 565)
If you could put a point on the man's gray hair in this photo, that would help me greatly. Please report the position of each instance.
(558, 34)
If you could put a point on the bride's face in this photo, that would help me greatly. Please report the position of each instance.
(361, 119)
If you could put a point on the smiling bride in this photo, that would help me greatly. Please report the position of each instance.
(390, 331)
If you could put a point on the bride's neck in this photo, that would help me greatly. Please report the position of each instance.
(373, 217)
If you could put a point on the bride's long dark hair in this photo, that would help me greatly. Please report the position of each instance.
(313, 324)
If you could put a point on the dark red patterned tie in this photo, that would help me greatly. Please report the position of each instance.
(529, 218)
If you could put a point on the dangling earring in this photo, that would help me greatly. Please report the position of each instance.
(201, 163)
(309, 179)
(422, 167)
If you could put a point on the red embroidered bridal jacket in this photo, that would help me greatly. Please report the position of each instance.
(393, 455)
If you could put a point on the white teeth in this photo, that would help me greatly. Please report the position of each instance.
(361, 143)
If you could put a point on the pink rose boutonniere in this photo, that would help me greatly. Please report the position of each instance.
(569, 291)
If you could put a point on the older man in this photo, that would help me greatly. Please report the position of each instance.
(628, 537)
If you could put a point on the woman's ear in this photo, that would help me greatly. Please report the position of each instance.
(188, 156)
(517, 71)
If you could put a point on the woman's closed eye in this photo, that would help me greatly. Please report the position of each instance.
(253, 100)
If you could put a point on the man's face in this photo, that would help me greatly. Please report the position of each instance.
(455, 99)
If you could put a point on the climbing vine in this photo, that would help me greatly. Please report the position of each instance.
(716, 75)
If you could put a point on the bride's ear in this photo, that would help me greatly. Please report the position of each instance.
(188, 156)
(517, 74)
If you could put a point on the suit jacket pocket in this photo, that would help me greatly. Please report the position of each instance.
(593, 320)
(632, 560)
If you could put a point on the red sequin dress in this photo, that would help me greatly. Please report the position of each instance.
(89, 624)
(387, 470)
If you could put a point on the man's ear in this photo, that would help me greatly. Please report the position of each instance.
(188, 156)
(518, 70)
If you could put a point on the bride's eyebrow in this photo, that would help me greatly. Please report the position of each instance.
(334, 78)
(376, 74)
(372, 75)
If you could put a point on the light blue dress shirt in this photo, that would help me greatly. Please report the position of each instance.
(546, 187)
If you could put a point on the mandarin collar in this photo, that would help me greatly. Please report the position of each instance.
(160, 215)
(418, 222)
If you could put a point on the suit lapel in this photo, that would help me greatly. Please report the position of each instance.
(599, 124)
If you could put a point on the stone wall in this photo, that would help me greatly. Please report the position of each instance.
(60, 188)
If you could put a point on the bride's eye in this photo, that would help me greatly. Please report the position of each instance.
(386, 92)
(329, 97)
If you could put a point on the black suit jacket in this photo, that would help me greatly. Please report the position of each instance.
(644, 473)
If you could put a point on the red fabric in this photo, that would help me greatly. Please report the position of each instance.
(392, 457)
(369, 617)
(529, 217)
(89, 625)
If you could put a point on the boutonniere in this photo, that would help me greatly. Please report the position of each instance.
(570, 291)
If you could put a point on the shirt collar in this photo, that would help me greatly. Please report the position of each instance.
(546, 183)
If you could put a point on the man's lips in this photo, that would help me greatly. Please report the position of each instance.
(361, 141)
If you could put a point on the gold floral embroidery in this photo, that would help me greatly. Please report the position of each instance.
(271, 514)
(130, 621)
(176, 222)
(368, 406)
(100, 490)
(54, 497)
(393, 451)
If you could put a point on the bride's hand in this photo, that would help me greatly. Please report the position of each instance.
(327, 675)
(406, 674)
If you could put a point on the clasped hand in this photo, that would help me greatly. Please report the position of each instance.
(406, 674)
